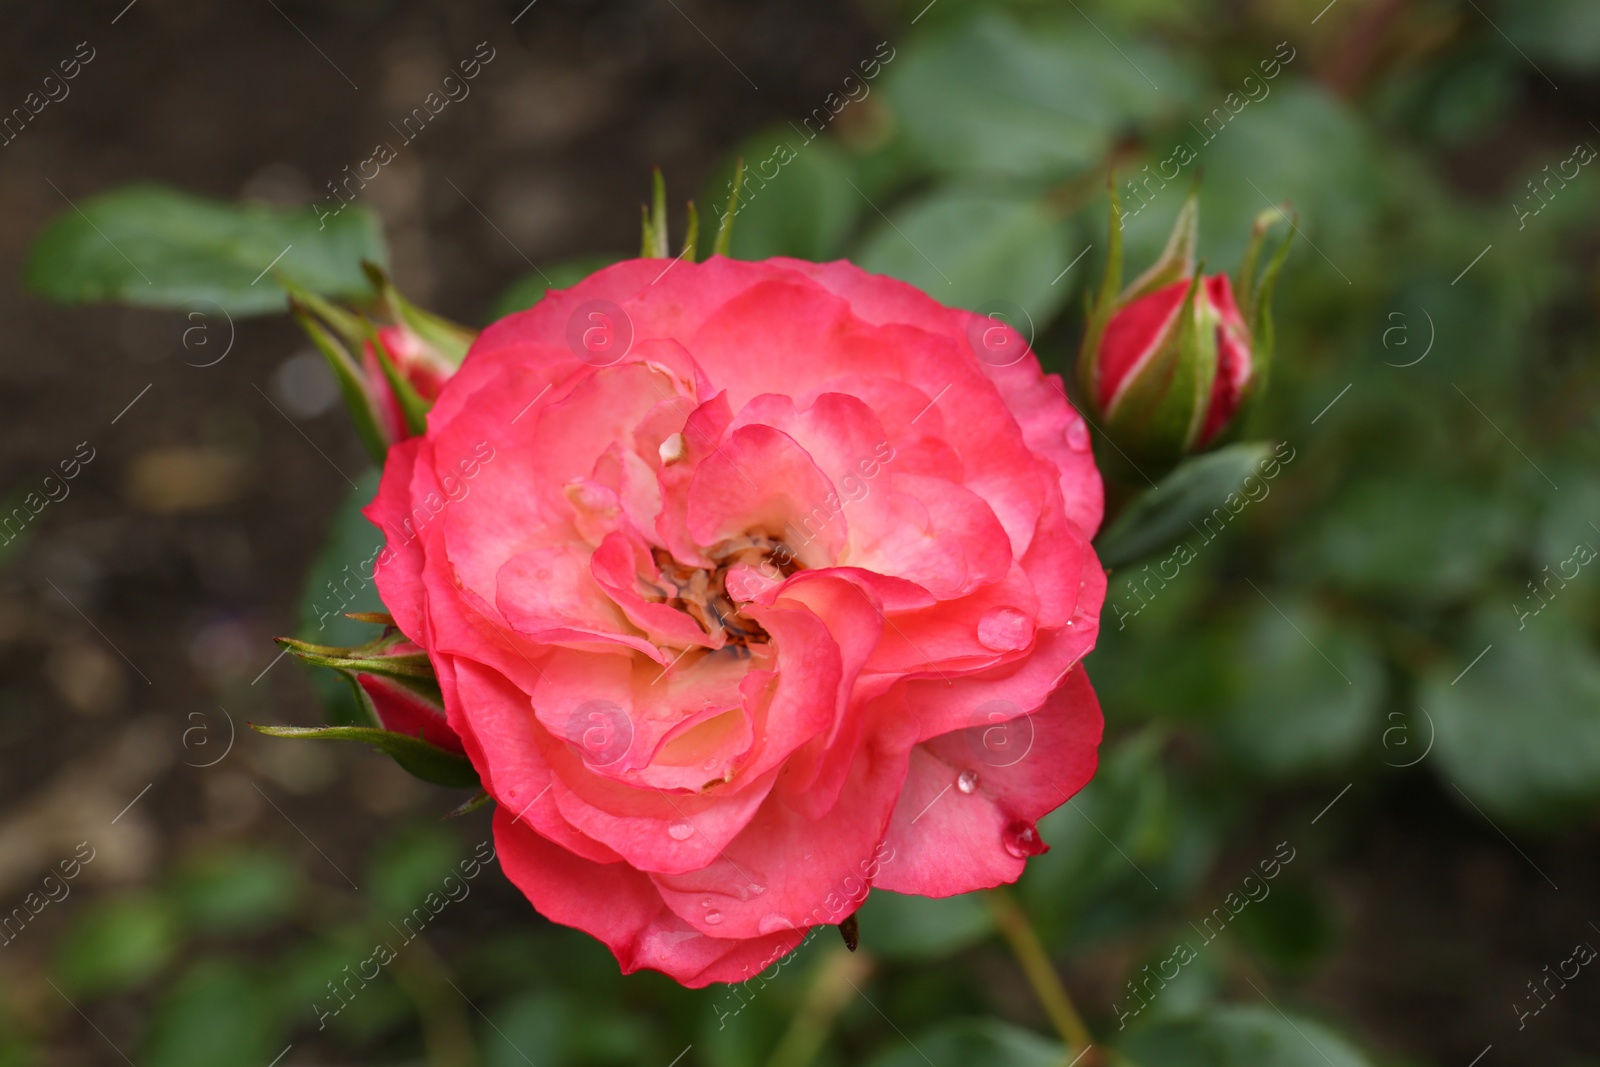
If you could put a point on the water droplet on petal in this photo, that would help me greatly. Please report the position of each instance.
(1005, 630)
(772, 922)
(1077, 436)
(706, 903)
(713, 917)
(679, 831)
(757, 888)
(967, 781)
(1022, 840)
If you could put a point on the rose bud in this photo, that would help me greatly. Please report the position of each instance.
(1171, 364)
(389, 374)
(392, 680)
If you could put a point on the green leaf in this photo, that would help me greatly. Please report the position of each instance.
(1043, 102)
(538, 1019)
(1419, 536)
(900, 927)
(312, 979)
(410, 864)
(427, 761)
(1291, 927)
(974, 1043)
(1239, 1037)
(1519, 731)
(117, 944)
(1106, 839)
(217, 1015)
(529, 289)
(154, 246)
(1565, 32)
(1302, 145)
(1167, 514)
(1294, 712)
(971, 249)
(236, 890)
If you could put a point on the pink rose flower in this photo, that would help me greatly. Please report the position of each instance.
(750, 587)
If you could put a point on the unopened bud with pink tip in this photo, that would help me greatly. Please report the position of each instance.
(390, 374)
(1171, 364)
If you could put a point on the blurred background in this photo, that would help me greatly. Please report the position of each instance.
(1379, 682)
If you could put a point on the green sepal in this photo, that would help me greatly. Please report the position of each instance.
(1177, 259)
(653, 242)
(724, 239)
(346, 324)
(1102, 306)
(1245, 281)
(377, 618)
(467, 807)
(412, 404)
(358, 400)
(692, 235)
(449, 339)
(1159, 414)
(1198, 340)
(371, 658)
(418, 757)
(1257, 313)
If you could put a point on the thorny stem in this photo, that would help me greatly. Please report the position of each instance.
(1041, 973)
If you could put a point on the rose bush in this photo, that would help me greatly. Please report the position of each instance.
(776, 589)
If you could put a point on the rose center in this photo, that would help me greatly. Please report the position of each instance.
(703, 595)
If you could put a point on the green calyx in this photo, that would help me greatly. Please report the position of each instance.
(653, 241)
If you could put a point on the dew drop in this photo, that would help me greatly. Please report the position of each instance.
(1022, 840)
(967, 782)
(713, 917)
(772, 922)
(679, 831)
(1077, 436)
(757, 888)
(1005, 630)
(706, 903)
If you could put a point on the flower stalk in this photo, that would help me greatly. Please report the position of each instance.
(1041, 974)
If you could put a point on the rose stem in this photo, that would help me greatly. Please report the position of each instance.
(1025, 945)
(836, 979)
